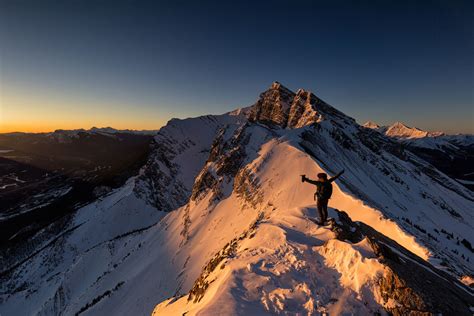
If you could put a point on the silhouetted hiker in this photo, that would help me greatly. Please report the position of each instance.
(323, 193)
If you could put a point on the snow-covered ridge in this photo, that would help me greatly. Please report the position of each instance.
(279, 261)
(237, 236)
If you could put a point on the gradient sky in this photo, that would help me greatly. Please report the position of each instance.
(135, 64)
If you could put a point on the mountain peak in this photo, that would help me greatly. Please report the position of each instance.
(273, 105)
(275, 85)
(400, 130)
(402, 125)
(371, 124)
(279, 106)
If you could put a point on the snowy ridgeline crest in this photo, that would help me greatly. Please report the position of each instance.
(218, 222)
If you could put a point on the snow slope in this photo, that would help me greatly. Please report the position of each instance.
(218, 222)
(282, 262)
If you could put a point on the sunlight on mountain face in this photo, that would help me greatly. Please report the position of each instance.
(148, 165)
(218, 221)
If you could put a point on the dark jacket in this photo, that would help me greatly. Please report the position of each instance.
(323, 188)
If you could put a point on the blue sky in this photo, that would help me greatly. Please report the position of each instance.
(136, 64)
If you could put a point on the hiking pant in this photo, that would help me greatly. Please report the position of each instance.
(323, 209)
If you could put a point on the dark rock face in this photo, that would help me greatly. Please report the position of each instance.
(273, 106)
(302, 106)
(247, 187)
(159, 173)
(281, 107)
(225, 160)
(204, 182)
(162, 182)
(413, 285)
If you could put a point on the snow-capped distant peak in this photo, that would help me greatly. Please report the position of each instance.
(371, 125)
(400, 130)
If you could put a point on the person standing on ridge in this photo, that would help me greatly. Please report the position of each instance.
(323, 193)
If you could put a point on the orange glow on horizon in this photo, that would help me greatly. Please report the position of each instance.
(42, 113)
(46, 128)
(32, 110)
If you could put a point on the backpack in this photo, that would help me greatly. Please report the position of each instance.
(324, 191)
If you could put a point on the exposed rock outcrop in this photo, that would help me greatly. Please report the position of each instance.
(280, 107)
(273, 106)
(228, 251)
(302, 112)
(224, 162)
(410, 285)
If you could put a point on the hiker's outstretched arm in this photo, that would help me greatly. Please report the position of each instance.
(310, 181)
(336, 176)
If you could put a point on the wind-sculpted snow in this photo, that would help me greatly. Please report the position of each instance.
(237, 236)
(285, 266)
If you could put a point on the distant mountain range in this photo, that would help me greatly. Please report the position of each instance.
(420, 137)
(64, 135)
(400, 130)
(452, 154)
